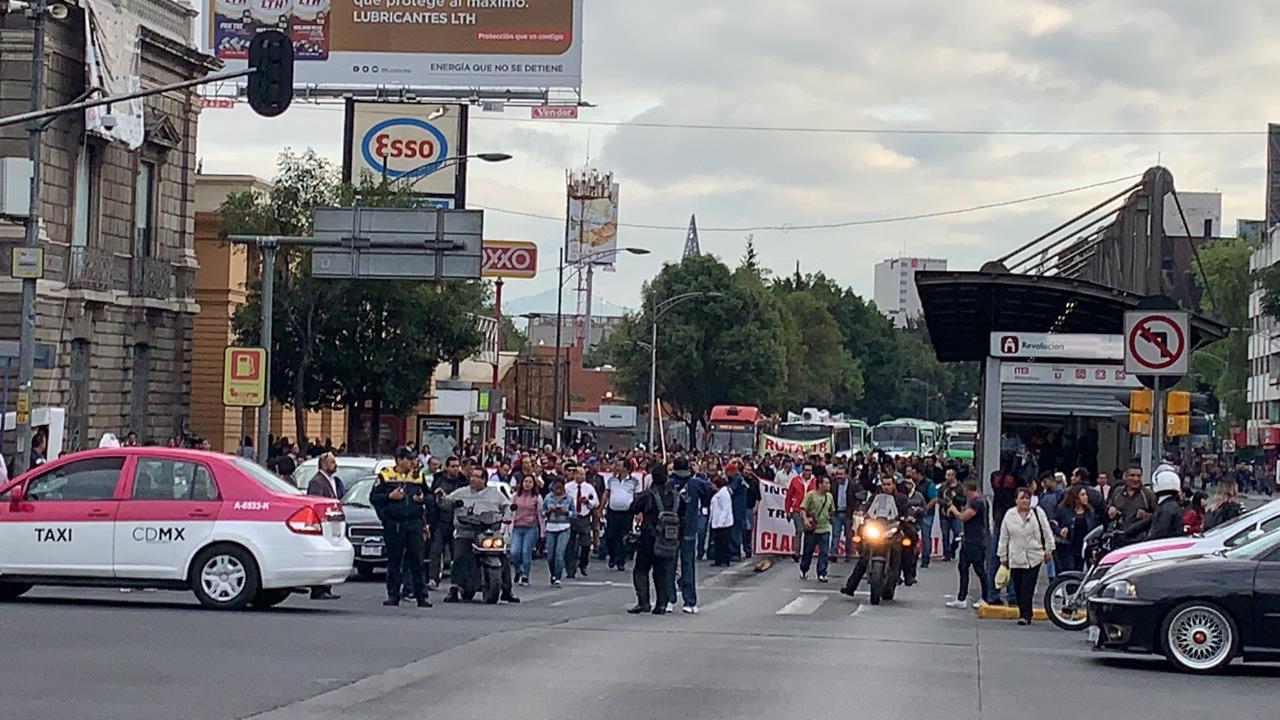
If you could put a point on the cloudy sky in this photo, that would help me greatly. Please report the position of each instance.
(1016, 65)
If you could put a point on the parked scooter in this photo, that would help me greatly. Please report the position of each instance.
(1065, 599)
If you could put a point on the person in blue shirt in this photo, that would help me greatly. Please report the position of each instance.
(929, 489)
(695, 493)
(738, 493)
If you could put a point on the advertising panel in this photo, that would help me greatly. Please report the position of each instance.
(593, 228)
(413, 146)
(509, 259)
(416, 43)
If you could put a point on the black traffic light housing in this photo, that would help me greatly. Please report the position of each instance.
(271, 83)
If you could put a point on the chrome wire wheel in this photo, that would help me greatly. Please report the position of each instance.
(223, 578)
(1200, 638)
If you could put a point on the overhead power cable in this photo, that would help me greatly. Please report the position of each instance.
(787, 227)
(734, 127)
(878, 131)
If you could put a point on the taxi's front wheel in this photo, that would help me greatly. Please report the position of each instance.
(225, 577)
(12, 591)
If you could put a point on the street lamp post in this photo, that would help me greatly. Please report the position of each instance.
(658, 309)
(928, 392)
(585, 259)
(413, 175)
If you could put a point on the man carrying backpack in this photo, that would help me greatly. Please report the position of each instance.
(659, 541)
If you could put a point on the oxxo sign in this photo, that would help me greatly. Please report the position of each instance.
(406, 142)
(509, 259)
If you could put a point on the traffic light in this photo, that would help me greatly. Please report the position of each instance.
(271, 83)
(1177, 412)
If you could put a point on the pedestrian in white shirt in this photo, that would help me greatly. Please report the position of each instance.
(721, 521)
(585, 501)
(620, 490)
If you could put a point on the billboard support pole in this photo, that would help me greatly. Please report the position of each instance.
(586, 319)
(555, 384)
(497, 354)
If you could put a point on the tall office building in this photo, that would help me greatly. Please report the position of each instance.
(895, 288)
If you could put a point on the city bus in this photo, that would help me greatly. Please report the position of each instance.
(843, 436)
(733, 429)
(962, 436)
(907, 436)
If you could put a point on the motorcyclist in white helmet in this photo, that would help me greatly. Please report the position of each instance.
(1166, 521)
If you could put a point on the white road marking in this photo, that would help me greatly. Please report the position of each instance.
(859, 611)
(803, 605)
(717, 604)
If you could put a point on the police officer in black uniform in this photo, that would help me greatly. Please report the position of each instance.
(401, 499)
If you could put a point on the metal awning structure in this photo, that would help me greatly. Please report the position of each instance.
(962, 309)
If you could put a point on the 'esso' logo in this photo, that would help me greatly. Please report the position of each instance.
(404, 147)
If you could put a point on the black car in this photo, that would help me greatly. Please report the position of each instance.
(1200, 613)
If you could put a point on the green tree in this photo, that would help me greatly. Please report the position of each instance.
(1223, 366)
(302, 306)
(513, 339)
(353, 343)
(711, 350)
(867, 335)
(820, 371)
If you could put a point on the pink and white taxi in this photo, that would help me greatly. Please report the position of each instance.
(220, 526)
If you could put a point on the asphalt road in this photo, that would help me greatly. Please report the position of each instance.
(766, 645)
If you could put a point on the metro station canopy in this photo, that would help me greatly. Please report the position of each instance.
(1079, 277)
(962, 309)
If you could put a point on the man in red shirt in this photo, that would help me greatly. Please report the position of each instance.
(795, 495)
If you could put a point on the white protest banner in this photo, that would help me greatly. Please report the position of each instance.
(774, 533)
(774, 445)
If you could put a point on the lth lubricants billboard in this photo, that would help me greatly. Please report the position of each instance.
(419, 43)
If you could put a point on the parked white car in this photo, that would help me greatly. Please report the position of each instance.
(1250, 526)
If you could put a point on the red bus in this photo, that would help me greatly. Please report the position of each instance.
(734, 429)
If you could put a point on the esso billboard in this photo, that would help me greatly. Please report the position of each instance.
(406, 142)
(404, 147)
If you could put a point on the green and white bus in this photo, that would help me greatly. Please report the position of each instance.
(962, 436)
(847, 436)
(907, 436)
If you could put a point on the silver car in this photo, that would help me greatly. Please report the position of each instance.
(350, 469)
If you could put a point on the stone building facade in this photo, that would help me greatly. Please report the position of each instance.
(117, 302)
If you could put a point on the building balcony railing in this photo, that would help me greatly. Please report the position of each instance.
(152, 278)
(90, 269)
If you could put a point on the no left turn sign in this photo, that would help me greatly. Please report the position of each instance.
(1156, 342)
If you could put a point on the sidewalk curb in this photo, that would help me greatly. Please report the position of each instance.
(1006, 612)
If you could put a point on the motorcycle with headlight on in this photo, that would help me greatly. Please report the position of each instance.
(488, 551)
(881, 542)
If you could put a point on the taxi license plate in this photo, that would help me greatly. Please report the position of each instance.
(1093, 634)
(370, 552)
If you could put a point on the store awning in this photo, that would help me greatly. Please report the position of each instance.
(962, 309)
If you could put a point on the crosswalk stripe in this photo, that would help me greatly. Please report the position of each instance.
(721, 602)
(802, 605)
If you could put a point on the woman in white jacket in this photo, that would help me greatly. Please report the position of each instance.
(1026, 543)
(721, 521)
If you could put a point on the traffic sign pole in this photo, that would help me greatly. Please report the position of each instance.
(1157, 348)
(268, 247)
(1157, 422)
